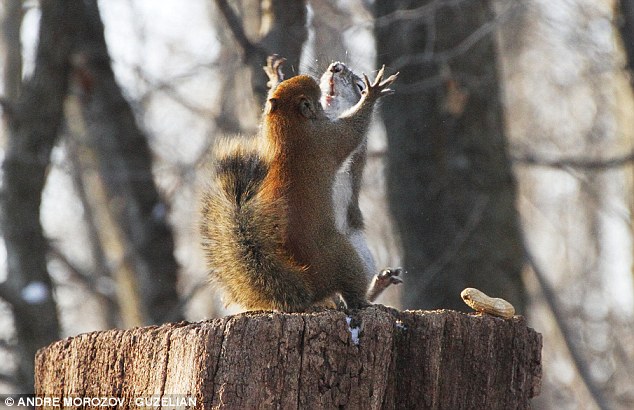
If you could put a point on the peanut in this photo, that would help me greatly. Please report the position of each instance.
(482, 303)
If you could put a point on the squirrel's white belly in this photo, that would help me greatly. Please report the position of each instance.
(342, 195)
(341, 198)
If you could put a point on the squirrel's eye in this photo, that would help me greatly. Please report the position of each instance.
(306, 108)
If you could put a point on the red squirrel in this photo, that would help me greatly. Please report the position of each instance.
(268, 224)
(341, 89)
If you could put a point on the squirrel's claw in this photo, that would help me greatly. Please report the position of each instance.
(382, 281)
(273, 70)
(390, 276)
(379, 76)
(378, 87)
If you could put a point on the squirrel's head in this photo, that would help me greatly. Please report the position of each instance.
(298, 97)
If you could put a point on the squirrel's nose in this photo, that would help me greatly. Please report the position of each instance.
(336, 67)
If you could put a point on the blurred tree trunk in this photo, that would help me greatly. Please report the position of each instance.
(108, 233)
(450, 185)
(11, 24)
(71, 30)
(280, 29)
(570, 122)
(328, 23)
(237, 112)
(146, 247)
(627, 30)
(33, 123)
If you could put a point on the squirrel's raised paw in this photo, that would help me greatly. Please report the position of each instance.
(379, 87)
(389, 276)
(383, 280)
(273, 70)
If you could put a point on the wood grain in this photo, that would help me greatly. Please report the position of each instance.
(411, 359)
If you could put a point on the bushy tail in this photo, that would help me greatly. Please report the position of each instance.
(242, 233)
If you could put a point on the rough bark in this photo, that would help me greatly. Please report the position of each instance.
(450, 185)
(440, 360)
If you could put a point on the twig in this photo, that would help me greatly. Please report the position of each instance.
(464, 46)
(76, 274)
(416, 13)
(168, 88)
(579, 163)
(236, 28)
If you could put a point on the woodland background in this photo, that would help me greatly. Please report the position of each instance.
(503, 162)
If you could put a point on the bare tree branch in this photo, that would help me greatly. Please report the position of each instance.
(578, 163)
(76, 275)
(169, 89)
(102, 268)
(285, 35)
(184, 301)
(463, 47)
(426, 10)
(248, 48)
(89, 283)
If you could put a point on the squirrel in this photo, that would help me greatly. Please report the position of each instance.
(268, 226)
(341, 89)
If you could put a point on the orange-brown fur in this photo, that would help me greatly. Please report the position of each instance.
(269, 229)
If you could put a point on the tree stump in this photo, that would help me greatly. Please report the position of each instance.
(368, 359)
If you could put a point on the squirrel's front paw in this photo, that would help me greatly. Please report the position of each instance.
(389, 276)
(379, 87)
(382, 281)
(273, 70)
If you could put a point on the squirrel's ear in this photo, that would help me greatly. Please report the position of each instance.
(271, 105)
(307, 108)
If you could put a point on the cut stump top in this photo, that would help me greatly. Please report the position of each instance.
(368, 359)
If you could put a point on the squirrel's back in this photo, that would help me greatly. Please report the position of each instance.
(268, 226)
(243, 231)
